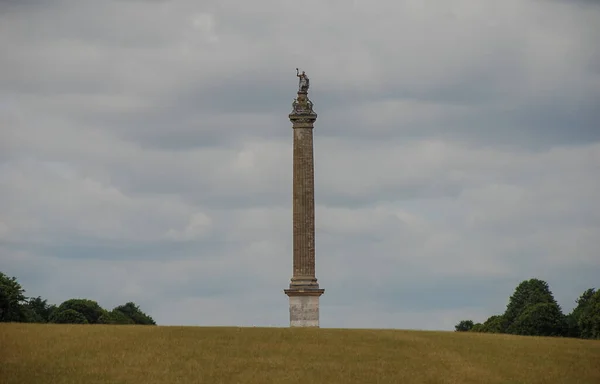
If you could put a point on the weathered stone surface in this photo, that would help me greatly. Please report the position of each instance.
(304, 290)
(304, 311)
(304, 203)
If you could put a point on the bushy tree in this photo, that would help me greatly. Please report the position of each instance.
(88, 308)
(589, 320)
(532, 310)
(572, 319)
(68, 316)
(571, 326)
(476, 327)
(527, 294)
(464, 326)
(542, 319)
(494, 324)
(16, 307)
(132, 311)
(41, 309)
(12, 298)
(31, 316)
(115, 317)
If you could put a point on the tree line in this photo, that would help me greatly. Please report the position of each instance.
(533, 311)
(16, 307)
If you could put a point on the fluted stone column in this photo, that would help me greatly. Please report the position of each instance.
(304, 290)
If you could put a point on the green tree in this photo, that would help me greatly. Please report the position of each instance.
(477, 327)
(132, 311)
(12, 298)
(68, 316)
(41, 309)
(528, 293)
(542, 319)
(494, 324)
(115, 317)
(31, 316)
(464, 326)
(88, 308)
(573, 318)
(571, 326)
(589, 321)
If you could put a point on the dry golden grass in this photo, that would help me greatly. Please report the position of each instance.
(87, 354)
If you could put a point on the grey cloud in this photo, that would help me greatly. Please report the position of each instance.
(146, 155)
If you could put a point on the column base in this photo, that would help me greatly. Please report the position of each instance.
(304, 306)
(304, 283)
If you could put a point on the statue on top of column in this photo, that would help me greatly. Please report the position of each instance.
(303, 82)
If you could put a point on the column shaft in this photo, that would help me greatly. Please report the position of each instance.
(303, 204)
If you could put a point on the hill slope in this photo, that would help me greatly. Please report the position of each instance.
(40, 353)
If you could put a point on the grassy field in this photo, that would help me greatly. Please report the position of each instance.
(87, 354)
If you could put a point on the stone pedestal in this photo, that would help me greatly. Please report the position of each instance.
(304, 291)
(304, 308)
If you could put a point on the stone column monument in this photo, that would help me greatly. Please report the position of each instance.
(304, 291)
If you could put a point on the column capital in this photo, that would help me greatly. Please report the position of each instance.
(302, 113)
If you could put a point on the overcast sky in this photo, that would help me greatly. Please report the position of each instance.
(146, 155)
